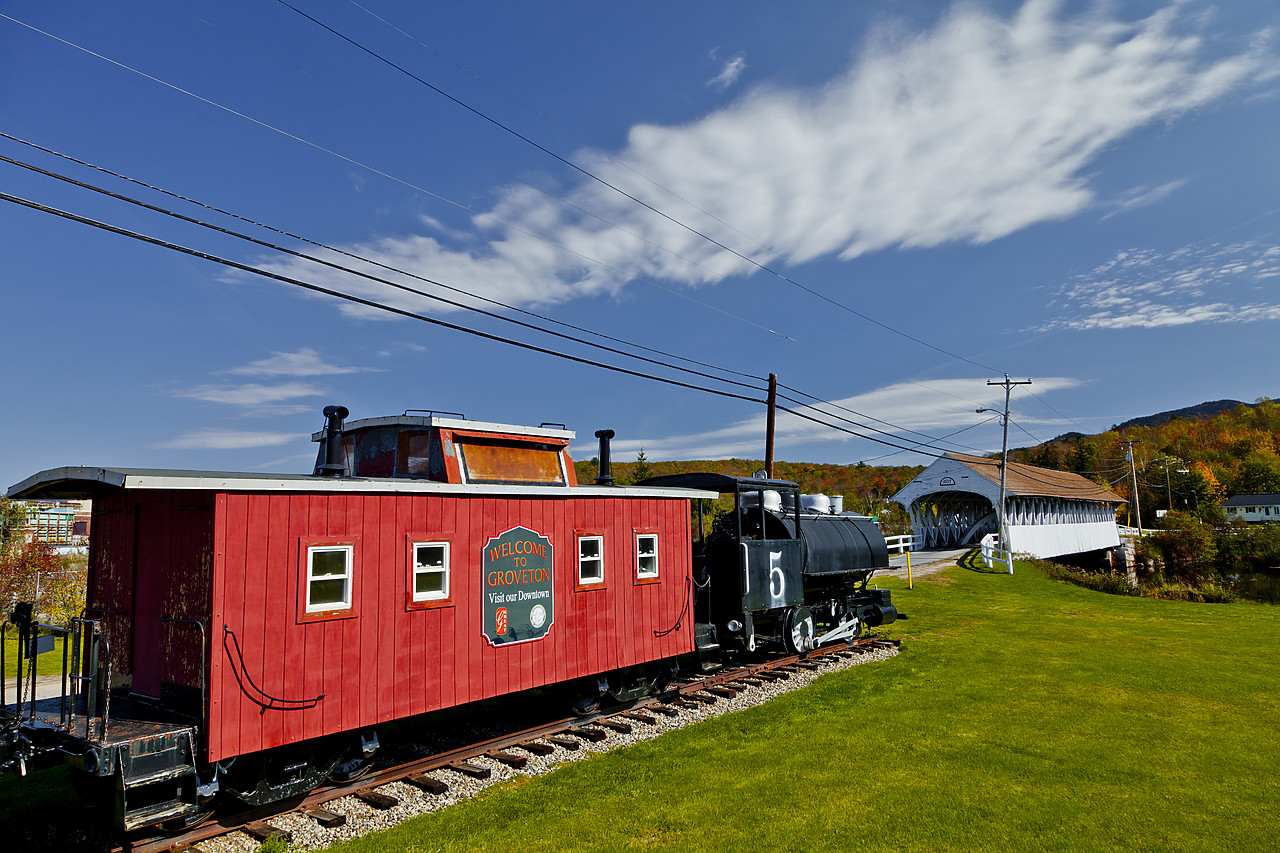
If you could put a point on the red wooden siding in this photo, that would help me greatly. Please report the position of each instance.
(151, 561)
(390, 661)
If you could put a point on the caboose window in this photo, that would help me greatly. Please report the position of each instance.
(329, 577)
(646, 555)
(430, 571)
(590, 559)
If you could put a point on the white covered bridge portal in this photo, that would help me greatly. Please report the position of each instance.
(1049, 513)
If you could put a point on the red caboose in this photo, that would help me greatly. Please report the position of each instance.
(254, 629)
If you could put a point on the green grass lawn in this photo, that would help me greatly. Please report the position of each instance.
(1022, 714)
(49, 663)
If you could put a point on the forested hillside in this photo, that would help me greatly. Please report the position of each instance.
(865, 488)
(1207, 459)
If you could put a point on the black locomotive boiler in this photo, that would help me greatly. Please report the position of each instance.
(780, 567)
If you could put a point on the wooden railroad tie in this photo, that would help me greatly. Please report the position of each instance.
(375, 800)
(639, 717)
(262, 831)
(536, 747)
(809, 666)
(773, 675)
(509, 758)
(722, 691)
(466, 768)
(702, 697)
(593, 735)
(664, 710)
(430, 784)
(563, 742)
(614, 726)
(326, 818)
(684, 703)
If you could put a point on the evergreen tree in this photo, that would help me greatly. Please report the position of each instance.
(642, 470)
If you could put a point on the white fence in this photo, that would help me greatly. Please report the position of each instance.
(900, 544)
(992, 553)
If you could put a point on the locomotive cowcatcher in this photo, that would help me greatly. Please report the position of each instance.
(245, 634)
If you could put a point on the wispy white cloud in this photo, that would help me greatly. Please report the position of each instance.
(729, 73)
(225, 439)
(251, 394)
(304, 362)
(1215, 283)
(967, 132)
(936, 407)
(1142, 197)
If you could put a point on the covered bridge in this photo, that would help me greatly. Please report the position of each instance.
(1049, 513)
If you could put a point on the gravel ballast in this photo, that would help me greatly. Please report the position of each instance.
(362, 818)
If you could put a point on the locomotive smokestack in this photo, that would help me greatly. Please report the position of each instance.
(605, 477)
(333, 466)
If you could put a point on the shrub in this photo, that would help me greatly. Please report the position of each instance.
(1187, 548)
(1110, 582)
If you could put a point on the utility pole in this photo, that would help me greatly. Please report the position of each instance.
(768, 430)
(1133, 469)
(1168, 482)
(1004, 450)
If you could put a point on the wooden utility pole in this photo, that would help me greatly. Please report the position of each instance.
(1133, 468)
(768, 430)
(1004, 454)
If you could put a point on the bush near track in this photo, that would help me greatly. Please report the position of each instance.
(1022, 714)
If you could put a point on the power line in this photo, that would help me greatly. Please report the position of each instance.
(418, 188)
(587, 173)
(870, 417)
(932, 439)
(396, 285)
(155, 241)
(378, 279)
(948, 435)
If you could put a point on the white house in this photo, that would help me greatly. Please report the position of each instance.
(1049, 513)
(1253, 508)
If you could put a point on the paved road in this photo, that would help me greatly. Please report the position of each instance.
(923, 562)
(47, 686)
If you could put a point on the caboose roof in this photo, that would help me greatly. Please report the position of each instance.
(440, 422)
(79, 482)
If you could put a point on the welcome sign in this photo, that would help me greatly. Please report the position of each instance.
(519, 587)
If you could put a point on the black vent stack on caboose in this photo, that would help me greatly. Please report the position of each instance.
(605, 475)
(333, 465)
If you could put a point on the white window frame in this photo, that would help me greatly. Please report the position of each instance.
(419, 569)
(347, 576)
(641, 572)
(598, 559)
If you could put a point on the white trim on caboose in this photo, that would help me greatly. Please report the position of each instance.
(84, 482)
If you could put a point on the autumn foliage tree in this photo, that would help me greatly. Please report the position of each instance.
(33, 571)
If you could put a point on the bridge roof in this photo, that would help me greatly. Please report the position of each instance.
(960, 472)
(1029, 480)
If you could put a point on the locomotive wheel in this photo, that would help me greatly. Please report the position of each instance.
(798, 630)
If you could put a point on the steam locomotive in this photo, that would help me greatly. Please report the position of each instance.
(245, 635)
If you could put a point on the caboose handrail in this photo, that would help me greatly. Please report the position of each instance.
(270, 704)
(97, 659)
(204, 647)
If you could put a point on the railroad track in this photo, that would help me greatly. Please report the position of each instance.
(512, 749)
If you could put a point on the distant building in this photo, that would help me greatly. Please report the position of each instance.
(63, 525)
(1050, 513)
(1253, 507)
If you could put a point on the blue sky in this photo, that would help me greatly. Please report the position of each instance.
(887, 204)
